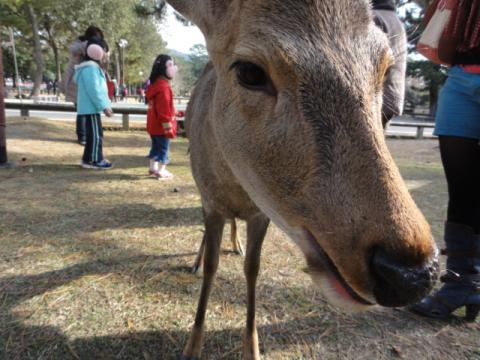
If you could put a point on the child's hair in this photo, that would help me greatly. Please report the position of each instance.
(159, 67)
(94, 32)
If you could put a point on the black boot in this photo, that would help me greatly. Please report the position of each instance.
(462, 279)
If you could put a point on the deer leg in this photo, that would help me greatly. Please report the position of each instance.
(214, 224)
(199, 258)
(237, 246)
(256, 230)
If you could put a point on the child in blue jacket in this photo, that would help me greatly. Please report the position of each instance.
(92, 100)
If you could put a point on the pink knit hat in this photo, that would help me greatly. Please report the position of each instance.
(95, 52)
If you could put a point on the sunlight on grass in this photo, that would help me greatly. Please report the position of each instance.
(97, 264)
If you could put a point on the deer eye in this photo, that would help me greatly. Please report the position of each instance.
(253, 77)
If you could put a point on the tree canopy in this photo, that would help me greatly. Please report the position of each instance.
(60, 22)
(431, 76)
(44, 30)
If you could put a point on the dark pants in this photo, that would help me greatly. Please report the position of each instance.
(461, 161)
(93, 151)
(81, 130)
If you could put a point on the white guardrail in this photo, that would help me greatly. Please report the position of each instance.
(420, 123)
(25, 108)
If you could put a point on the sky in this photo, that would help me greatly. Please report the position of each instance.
(182, 38)
(178, 36)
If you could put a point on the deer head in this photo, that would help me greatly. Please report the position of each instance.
(295, 113)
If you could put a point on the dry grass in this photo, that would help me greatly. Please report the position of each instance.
(94, 265)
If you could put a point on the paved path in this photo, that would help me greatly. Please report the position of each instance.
(408, 131)
(140, 119)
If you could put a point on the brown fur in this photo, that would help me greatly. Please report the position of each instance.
(312, 157)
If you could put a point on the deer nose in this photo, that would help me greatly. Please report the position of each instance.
(397, 284)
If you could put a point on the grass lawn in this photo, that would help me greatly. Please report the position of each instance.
(95, 264)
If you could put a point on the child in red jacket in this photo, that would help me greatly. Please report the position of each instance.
(161, 123)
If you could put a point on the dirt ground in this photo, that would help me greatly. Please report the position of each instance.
(95, 265)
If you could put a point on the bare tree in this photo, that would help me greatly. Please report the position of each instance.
(49, 27)
(40, 66)
(3, 142)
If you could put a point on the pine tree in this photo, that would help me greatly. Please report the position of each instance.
(433, 75)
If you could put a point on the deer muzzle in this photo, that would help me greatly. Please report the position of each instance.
(397, 284)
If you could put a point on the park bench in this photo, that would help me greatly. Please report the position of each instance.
(419, 125)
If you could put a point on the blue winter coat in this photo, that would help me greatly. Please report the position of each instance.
(92, 93)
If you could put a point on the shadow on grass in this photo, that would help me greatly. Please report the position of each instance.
(41, 223)
(18, 340)
(145, 215)
(71, 172)
(119, 162)
(42, 130)
(21, 341)
(138, 161)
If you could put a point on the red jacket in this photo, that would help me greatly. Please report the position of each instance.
(111, 89)
(161, 112)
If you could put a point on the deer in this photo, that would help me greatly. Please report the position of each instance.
(237, 247)
(285, 126)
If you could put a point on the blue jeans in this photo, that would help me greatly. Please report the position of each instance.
(159, 150)
(458, 112)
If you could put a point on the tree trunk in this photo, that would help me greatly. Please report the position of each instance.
(38, 76)
(58, 68)
(120, 59)
(53, 44)
(3, 140)
(433, 96)
(117, 65)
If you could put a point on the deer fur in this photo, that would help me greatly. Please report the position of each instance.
(237, 247)
(304, 147)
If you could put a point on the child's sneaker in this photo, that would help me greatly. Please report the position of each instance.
(102, 165)
(153, 173)
(164, 174)
(86, 165)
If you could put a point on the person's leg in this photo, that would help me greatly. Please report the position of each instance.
(458, 129)
(153, 156)
(100, 132)
(97, 148)
(163, 158)
(81, 129)
(88, 150)
(461, 162)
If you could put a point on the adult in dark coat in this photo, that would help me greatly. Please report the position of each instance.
(68, 86)
(386, 18)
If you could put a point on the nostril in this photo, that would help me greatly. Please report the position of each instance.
(399, 284)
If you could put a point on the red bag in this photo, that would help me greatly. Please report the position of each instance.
(438, 17)
(453, 26)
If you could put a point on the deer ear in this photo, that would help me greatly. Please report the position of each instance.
(206, 14)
